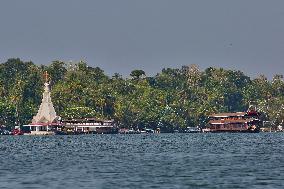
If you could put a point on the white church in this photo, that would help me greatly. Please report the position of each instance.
(46, 121)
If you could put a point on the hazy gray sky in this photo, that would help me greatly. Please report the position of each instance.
(122, 35)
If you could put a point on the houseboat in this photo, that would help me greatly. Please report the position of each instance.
(234, 122)
(87, 126)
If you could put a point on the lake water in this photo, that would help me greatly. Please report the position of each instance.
(197, 160)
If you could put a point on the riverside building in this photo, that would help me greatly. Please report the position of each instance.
(45, 122)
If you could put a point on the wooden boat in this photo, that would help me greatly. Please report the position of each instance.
(234, 122)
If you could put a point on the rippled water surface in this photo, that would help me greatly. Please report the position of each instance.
(143, 161)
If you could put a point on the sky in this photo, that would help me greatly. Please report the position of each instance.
(123, 35)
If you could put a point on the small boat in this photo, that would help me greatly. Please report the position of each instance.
(192, 130)
(128, 131)
(147, 130)
(17, 131)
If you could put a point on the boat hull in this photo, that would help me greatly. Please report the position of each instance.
(231, 131)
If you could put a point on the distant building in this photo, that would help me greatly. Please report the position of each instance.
(46, 120)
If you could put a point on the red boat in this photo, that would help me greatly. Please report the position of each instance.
(17, 131)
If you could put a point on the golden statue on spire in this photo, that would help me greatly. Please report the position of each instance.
(46, 77)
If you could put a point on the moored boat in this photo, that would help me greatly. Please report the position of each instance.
(192, 130)
(247, 122)
(88, 126)
(17, 131)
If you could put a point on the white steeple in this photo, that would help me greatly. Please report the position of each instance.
(46, 112)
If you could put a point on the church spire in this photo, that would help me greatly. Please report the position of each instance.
(46, 112)
(46, 76)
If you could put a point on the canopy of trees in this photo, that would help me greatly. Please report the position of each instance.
(173, 99)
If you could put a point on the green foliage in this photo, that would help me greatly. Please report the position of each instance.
(137, 74)
(173, 99)
(78, 112)
(7, 114)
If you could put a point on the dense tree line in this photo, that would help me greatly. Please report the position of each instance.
(172, 99)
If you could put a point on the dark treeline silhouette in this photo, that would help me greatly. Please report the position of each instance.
(173, 99)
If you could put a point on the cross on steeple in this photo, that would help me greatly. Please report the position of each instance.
(46, 76)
